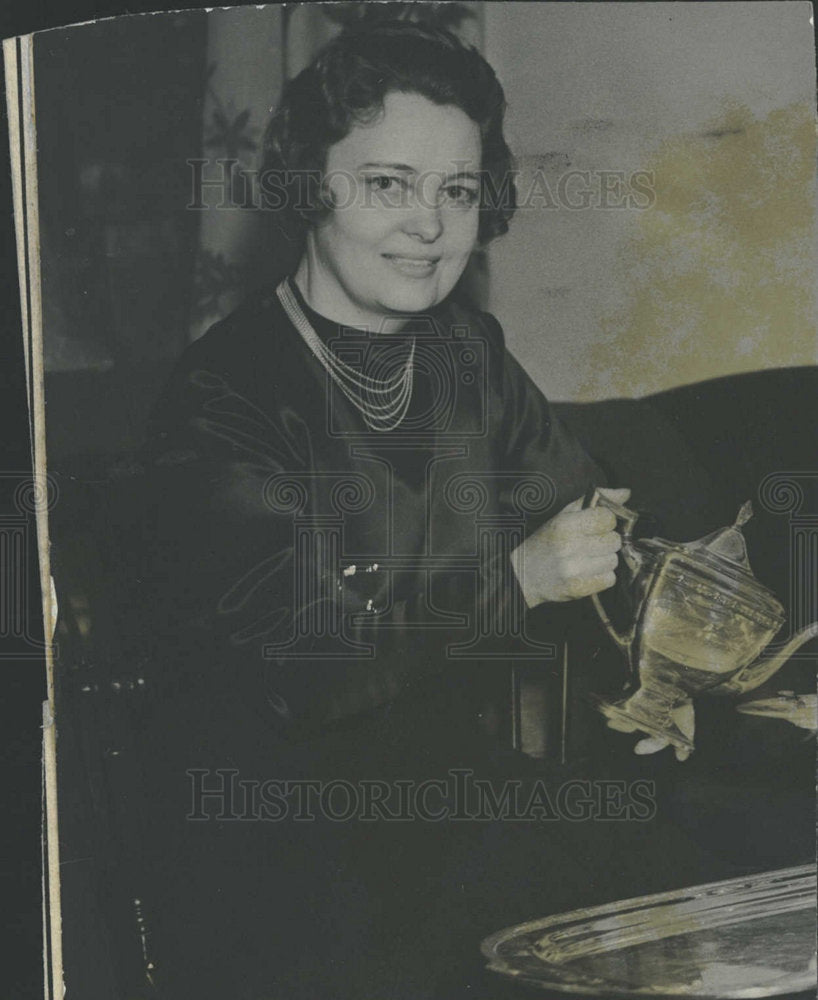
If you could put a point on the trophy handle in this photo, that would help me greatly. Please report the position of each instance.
(625, 515)
(626, 519)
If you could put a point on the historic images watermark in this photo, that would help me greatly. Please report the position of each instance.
(222, 183)
(795, 493)
(24, 496)
(223, 795)
(334, 592)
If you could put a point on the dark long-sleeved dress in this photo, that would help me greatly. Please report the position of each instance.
(273, 487)
(330, 602)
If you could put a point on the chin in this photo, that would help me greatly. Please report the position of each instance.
(414, 300)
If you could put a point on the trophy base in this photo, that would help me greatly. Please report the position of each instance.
(628, 718)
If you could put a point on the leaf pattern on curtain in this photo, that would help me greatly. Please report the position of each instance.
(230, 135)
(214, 283)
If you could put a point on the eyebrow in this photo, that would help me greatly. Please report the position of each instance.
(407, 169)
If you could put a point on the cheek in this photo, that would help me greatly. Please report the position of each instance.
(355, 226)
(368, 224)
(463, 231)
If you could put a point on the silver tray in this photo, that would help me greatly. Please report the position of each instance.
(746, 937)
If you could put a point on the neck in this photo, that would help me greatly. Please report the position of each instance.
(323, 295)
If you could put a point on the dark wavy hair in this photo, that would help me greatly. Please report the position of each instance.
(346, 85)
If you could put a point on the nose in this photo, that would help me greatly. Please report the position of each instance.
(424, 221)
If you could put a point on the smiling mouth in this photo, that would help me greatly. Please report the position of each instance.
(412, 265)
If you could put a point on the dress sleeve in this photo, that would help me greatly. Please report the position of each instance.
(220, 557)
(240, 614)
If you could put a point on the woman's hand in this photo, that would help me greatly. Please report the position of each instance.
(798, 709)
(683, 716)
(571, 556)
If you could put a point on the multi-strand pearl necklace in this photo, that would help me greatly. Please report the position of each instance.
(382, 402)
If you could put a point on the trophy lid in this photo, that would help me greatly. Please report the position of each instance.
(728, 543)
(722, 558)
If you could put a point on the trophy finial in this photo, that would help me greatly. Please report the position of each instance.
(729, 543)
(744, 514)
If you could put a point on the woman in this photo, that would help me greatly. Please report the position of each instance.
(363, 492)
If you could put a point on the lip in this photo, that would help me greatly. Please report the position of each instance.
(419, 267)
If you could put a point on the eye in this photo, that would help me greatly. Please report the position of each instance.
(383, 182)
(458, 194)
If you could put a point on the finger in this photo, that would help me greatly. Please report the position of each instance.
(681, 754)
(653, 744)
(618, 495)
(586, 586)
(574, 505)
(605, 581)
(593, 520)
(597, 546)
(685, 718)
(593, 567)
(574, 525)
(621, 726)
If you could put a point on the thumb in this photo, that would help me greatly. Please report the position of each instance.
(653, 744)
(619, 495)
(619, 725)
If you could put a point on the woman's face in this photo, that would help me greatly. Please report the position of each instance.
(405, 193)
